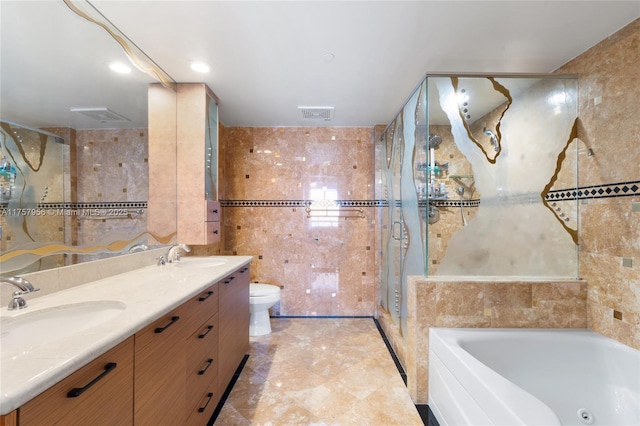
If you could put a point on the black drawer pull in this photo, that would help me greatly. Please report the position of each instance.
(76, 392)
(215, 211)
(205, 297)
(206, 367)
(161, 329)
(203, 335)
(229, 280)
(244, 270)
(209, 397)
(215, 232)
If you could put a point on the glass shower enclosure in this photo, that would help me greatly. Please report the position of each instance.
(478, 178)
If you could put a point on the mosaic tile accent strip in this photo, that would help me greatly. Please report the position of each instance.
(76, 207)
(91, 205)
(298, 203)
(621, 189)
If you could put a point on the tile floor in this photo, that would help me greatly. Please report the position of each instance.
(319, 371)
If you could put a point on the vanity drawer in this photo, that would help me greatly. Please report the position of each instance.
(212, 232)
(100, 393)
(232, 288)
(202, 345)
(202, 307)
(206, 404)
(200, 381)
(213, 211)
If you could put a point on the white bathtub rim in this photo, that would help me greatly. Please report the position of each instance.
(502, 396)
(454, 340)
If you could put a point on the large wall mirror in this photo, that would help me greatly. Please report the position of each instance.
(74, 181)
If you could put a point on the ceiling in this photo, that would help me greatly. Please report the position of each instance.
(267, 58)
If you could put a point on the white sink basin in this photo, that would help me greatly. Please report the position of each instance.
(200, 262)
(20, 333)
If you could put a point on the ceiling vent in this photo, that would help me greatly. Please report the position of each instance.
(317, 113)
(101, 114)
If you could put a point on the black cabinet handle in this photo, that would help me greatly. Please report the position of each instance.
(205, 297)
(228, 281)
(242, 271)
(209, 396)
(76, 392)
(161, 329)
(203, 335)
(215, 232)
(206, 367)
(214, 211)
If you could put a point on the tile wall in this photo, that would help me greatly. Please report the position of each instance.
(114, 170)
(609, 215)
(443, 302)
(274, 179)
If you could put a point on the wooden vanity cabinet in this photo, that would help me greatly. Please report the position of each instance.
(100, 393)
(234, 323)
(172, 372)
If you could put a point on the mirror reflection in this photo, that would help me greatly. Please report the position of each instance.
(74, 141)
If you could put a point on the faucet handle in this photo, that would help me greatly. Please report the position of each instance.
(17, 302)
(161, 261)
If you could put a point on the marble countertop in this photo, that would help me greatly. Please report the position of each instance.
(144, 295)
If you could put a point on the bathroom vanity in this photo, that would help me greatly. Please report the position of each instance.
(167, 347)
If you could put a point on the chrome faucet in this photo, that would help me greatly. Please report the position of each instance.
(24, 287)
(138, 247)
(173, 255)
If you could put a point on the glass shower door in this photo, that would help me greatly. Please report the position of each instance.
(404, 232)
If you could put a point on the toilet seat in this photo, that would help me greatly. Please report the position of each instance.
(261, 290)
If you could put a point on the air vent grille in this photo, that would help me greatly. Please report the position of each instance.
(101, 114)
(317, 113)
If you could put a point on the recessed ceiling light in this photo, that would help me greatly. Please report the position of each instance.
(200, 67)
(119, 67)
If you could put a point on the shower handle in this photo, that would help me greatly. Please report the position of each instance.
(393, 231)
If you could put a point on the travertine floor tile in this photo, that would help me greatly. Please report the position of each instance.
(319, 371)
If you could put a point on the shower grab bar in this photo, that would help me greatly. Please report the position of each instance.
(339, 213)
(393, 230)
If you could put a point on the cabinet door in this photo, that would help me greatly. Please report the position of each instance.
(233, 339)
(196, 162)
(100, 393)
(160, 380)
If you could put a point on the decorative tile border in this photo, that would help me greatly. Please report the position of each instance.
(621, 189)
(101, 209)
(91, 205)
(299, 203)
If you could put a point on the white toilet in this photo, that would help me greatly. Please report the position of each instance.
(261, 298)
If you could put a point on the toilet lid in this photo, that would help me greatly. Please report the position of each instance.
(256, 289)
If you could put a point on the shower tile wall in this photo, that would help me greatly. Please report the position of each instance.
(325, 266)
(609, 228)
(113, 167)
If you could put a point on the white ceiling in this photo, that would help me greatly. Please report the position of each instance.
(267, 57)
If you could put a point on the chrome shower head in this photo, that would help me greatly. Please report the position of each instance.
(434, 141)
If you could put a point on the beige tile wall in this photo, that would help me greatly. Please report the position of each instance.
(443, 302)
(113, 167)
(325, 267)
(609, 229)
